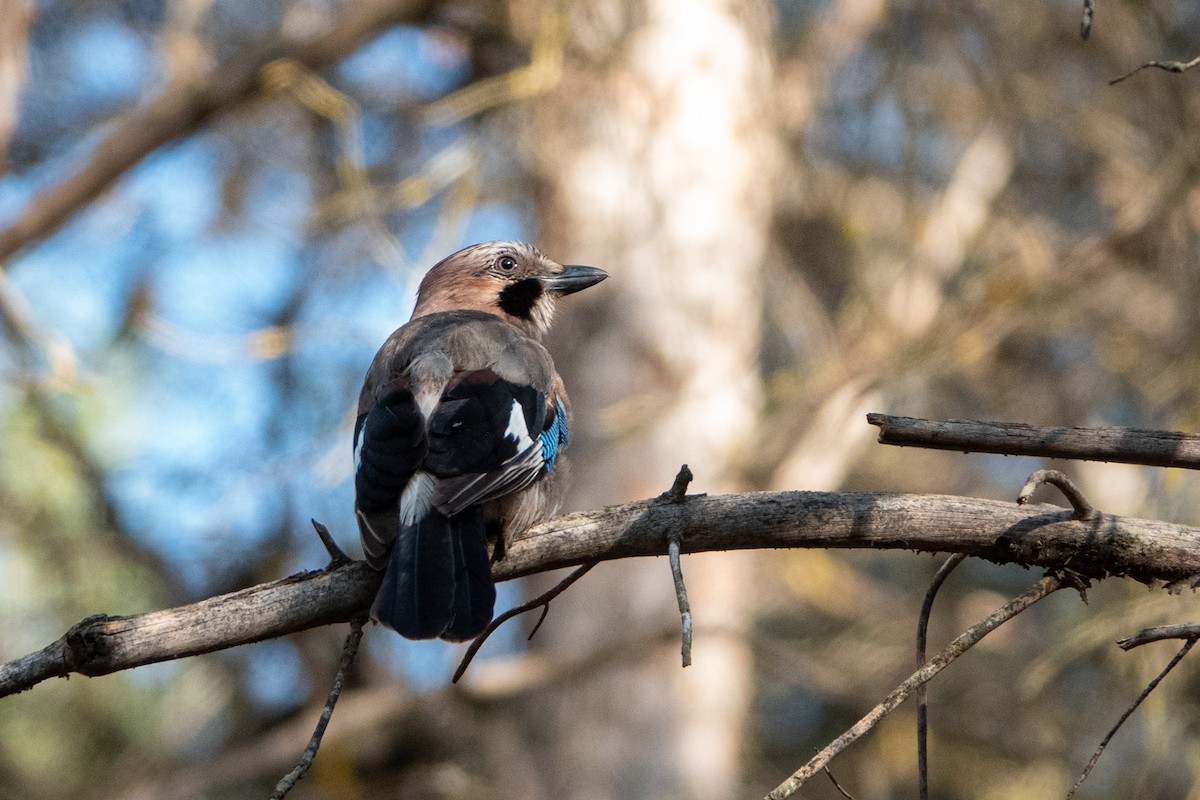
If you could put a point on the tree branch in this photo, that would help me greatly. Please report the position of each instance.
(188, 102)
(1124, 445)
(1003, 532)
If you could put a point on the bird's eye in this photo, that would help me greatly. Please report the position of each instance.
(507, 263)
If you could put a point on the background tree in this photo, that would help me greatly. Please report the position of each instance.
(809, 212)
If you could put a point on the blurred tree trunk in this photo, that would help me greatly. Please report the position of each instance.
(656, 156)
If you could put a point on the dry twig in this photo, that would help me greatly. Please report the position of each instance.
(542, 600)
(1083, 509)
(963, 643)
(337, 557)
(1186, 630)
(840, 789)
(1168, 66)
(922, 691)
(1085, 25)
(349, 651)
(677, 495)
(1124, 445)
(1087, 770)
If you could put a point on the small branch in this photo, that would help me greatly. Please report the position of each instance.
(676, 495)
(349, 651)
(952, 651)
(1124, 445)
(542, 600)
(1083, 509)
(678, 491)
(837, 785)
(1085, 25)
(685, 610)
(1187, 630)
(1168, 66)
(1087, 770)
(337, 558)
(922, 691)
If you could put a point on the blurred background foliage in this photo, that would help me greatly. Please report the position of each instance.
(810, 210)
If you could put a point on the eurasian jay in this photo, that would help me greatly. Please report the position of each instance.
(461, 421)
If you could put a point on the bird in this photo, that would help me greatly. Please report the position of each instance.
(461, 423)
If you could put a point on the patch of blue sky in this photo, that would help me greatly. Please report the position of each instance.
(192, 415)
(491, 221)
(226, 284)
(111, 62)
(176, 185)
(874, 133)
(16, 190)
(360, 311)
(379, 131)
(279, 200)
(274, 675)
(75, 287)
(404, 62)
(199, 522)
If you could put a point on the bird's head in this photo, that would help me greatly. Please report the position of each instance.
(509, 279)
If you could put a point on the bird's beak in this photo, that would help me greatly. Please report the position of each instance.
(573, 278)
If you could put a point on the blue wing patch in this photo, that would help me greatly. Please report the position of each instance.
(554, 438)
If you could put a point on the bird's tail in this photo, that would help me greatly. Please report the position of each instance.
(438, 581)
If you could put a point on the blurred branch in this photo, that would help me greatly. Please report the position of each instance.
(188, 102)
(1045, 536)
(965, 641)
(541, 74)
(16, 19)
(1124, 445)
(1085, 25)
(1169, 66)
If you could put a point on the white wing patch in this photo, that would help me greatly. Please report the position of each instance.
(358, 448)
(517, 429)
(417, 497)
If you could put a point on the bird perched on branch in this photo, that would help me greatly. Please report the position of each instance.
(461, 420)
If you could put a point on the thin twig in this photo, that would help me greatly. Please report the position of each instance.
(349, 650)
(1169, 66)
(1083, 509)
(674, 542)
(837, 785)
(677, 494)
(1085, 25)
(337, 557)
(922, 691)
(541, 600)
(1183, 651)
(1186, 630)
(964, 642)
